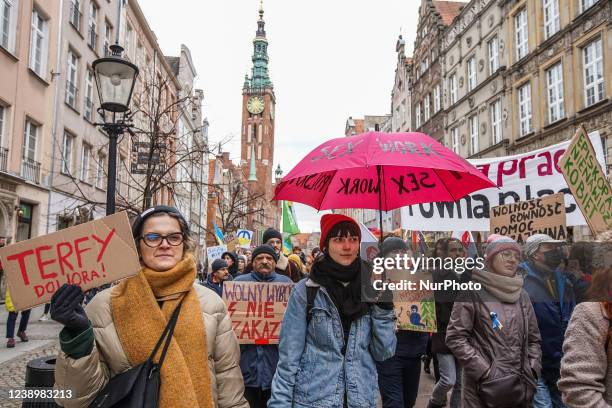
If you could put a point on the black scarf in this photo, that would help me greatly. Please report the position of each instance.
(331, 275)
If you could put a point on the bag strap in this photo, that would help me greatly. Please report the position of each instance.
(167, 334)
(311, 294)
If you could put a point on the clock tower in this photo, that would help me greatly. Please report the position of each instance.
(257, 132)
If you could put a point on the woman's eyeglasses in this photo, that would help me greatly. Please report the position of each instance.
(154, 240)
(510, 256)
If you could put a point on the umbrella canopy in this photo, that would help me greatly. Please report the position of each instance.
(381, 171)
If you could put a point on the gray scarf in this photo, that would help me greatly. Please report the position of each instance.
(504, 288)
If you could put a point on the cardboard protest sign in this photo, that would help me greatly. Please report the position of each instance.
(587, 182)
(215, 252)
(520, 220)
(256, 309)
(88, 255)
(415, 308)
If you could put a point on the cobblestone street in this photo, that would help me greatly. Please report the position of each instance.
(43, 342)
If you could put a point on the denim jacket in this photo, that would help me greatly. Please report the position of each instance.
(312, 372)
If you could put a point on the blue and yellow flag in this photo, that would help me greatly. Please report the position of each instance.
(218, 234)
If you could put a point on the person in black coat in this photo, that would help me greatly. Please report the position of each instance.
(399, 376)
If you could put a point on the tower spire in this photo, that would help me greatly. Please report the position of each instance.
(260, 78)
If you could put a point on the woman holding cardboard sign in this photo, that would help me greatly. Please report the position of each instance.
(119, 329)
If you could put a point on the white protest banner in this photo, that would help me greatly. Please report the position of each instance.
(521, 177)
(369, 243)
(89, 255)
(215, 252)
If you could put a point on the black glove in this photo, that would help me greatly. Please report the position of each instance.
(67, 309)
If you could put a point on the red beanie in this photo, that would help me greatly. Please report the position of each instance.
(328, 221)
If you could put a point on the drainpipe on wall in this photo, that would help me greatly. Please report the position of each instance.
(56, 74)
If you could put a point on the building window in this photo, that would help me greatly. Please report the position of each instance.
(8, 23)
(89, 95)
(455, 139)
(67, 145)
(29, 142)
(551, 17)
(424, 65)
(100, 171)
(471, 73)
(108, 34)
(524, 100)
(554, 85)
(473, 124)
(586, 4)
(92, 37)
(30, 168)
(85, 162)
(437, 105)
(452, 86)
(39, 44)
(129, 42)
(426, 103)
(75, 14)
(418, 115)
(593, 73)
(71, 79)
(496, 121)
(493, 48)
(520, 28)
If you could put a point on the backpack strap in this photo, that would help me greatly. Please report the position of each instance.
(311, 294)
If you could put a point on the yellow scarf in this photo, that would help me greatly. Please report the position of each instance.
(139, 321)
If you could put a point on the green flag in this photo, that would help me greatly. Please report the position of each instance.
(289, 222)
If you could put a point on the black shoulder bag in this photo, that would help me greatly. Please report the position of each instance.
(138, 387)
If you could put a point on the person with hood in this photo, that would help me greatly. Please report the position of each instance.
(297, 268)
(274, 238)
(448, 367)
(232, 262)
(258, 362)
(242, 263)
(399, 376)
(119, 328)
(586, 366)
(494, 333)
(330, 337)
(217, 276)
(554, 299)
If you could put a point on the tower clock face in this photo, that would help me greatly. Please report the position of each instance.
(255, 105)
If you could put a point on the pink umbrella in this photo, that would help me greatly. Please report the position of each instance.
(381, 171)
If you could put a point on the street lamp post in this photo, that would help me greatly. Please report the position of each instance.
(115, 79)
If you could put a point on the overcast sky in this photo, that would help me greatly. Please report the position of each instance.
(328, 60)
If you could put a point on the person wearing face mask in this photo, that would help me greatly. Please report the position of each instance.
(330, 338)
(119, 328)
(258, 362)
(494, 334)
(554, 299)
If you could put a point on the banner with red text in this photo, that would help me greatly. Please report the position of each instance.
(256, 309)
(520, 178)
(88, 255)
